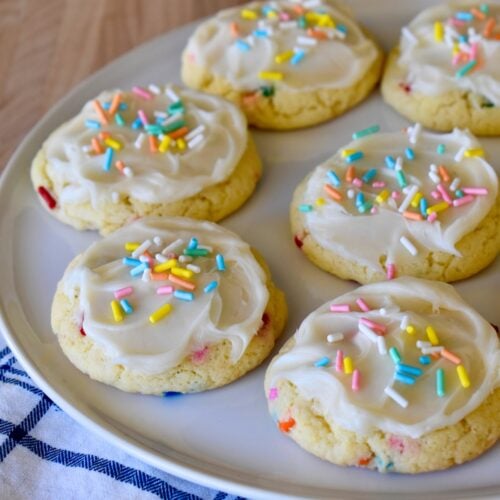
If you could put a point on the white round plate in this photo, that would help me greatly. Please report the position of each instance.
(224, 438)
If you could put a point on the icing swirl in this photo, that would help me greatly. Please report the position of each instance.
(418, 303)
(230, 310)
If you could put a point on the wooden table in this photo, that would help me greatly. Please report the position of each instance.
(48, 46)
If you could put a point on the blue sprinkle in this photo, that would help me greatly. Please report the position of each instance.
(136, 124)
(410, 154)
(221, 265)
(129, 261)
(119, 120)
(333, 178)
(409, 369)
(122, 106)
(423, 207)
(171, 394)
(405, 379)
(464, 16)
(92, 124)
(441, 149)
(341, 28)
(360, 199)
(183, 295)
(365, 207)
(193, 243)
(242, 45)
(395, 356)
(368, 176)
(305, 208)
(390, 162)
(324, 361)
(126, 306)
(424, 360)
(108, 159)
(463, 38)
(210, 287)
(261, 33)
(139, 269)
(459, 193)
(354, 157)
(297, 57)
(401, 178)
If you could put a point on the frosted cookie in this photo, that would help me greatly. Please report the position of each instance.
(288, 64)
(151, 151)
(445, 72)
(167, 305)
(398, 376)
(403, 203)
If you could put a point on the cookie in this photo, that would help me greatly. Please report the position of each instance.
(287, 64)
(152, 151)
(404, 203)
(399, 376)
(167, 304)
(444, 72)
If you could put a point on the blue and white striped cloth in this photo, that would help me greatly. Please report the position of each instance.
(44, 454)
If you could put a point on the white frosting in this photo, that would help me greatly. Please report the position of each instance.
(158, 177)
(233, 311)
(460, 329)
(365, 238)
(336, 62)
(429, 62)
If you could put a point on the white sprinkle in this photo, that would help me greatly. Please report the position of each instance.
(383, 311)
(334, 337)
(171, 119)
(311, 4)
(185, 258)
(154, 88)
(350, 193)
(382, 348)
(192, 267)
(407, 199)
(288, 25)
(195, 141)
(158, 241)
(409, 35)
(160, 114)
(399, 163)
(139, 141)
(460, 154)
(143, 258)
(455, 183)
(206, 247)
(146, 275)
(433, 167)
(127, 172)
(338, 33)
(173, 246)
(408, 245)
(172, 95)
(196, 131)
(404, 322)
(423, 343)
(160, 258)
(368, 332)
(434, 177)
(307, 40)
(400, 400)
(87, 148)
(141, 248)
(430, 350)
(414, 133)
(115, 197)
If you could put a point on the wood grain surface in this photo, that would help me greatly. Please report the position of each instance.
(48, 46)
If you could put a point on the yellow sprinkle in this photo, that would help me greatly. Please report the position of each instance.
(117, 311)
(438, 207)
(312, 16)
(382, 196)
(438, 31)
(160, 313)
(325, 21)
(347, 152)
(463, 376)
(113, 143)
(432, 335)
(271, 14)
(130, 246)
(410, 329)
(181, 144)
(320, 201)
(182, 273)
(248, 14)
(165, 266)
(347, 365)
(416, 199)
(456, 48)
(470, 153)
(270, 75)
(284, 56)
(164, 144)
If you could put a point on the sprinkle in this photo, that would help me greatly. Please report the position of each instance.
(390, 162)
(439, 207)
(248, 14)
(465, 69)
(221, 265)
(210, 287)
(340, 308)
(173, 246)
(322, 362)
(412, 215)
(369, 175)
(400, 400)
(306, 208)
(441, 148)
(139, 269)
(440, 388)
(412, 191)
(117, 311)
(409, 369)
(164, 144)
(160, 313)
(362, 305)
(108, 159)
(154, 89)
(382, 196)
(165, 266)
(490, 25)
(401, 178)
(424, 360)
(141, 92)
(356, 380)
(272, 394)
(463, 201)
(242, 45)
(339, 361)
(444, 193)
(123, 292)
(183, 295)
(408, 34)
(307, 40)
(334, 337)
(113, 143)
(450, 356)
(404, 322)
(357, 155)
(139, 141)
(395, 356)
(373, 325)
(463, 376)
(432, 335)
(367, 131)
(298, 56)
(333, 177)
(100, 112)
(286, 425)
(408, 245)
(129, 261)
(184, 283)
(165, 290)
(115, 104)
(125, 304)
(347, 365)
(182, 273)
(284, 56)
(410, 154)
(432, 350)
(196, 252)
(195, 132)
(438, 31)
(391, 271)
(270, 75)
(475, 191)
(405, 379)
(92, 124)
(368, 332)
(357, 182)
(143, 117)
(410, 330)
(416, 199)
(434, 177)
(172, 95)
(47, 197)
(455, 183)
(141, 248)
(193, 268)
(381, 345)
(414, 133)
(460, 154)
(332, 192)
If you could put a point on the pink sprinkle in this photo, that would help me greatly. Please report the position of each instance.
(436, 195)
(475, 191)
(373, 325)
(171, 255)
(143, 117)
(378, 184)
(123, 292)
(432, 217)
(456, 59)
(356, 380)
(374, 210)
(284, 16)
(339, 361)
(444, 193)
(463, 201)
(336, 308)
(456, 22)
(357, 182)
(391, 270)
(362, 305)
(141, 92)
(198, 357)
(165, 290)
(395, 195)
(273, 393)
(473, 51)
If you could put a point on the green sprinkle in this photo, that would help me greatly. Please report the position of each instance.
(459, 193)
(119, 119)
(484, 8)
(441, 149)
(366, 131)
(176, 107)
(196, 252)
(172, 127)
(440, 388)
(305, 208)
(154, 129)
(301, 22)
(395, 356)
(267, 91)
(365, 207)
(400, 175)
(465, 69)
